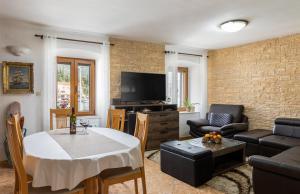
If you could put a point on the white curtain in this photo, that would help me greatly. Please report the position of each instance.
(49, 79)
(103, 84)
(203, 86)
(171, 72)
(199, 81)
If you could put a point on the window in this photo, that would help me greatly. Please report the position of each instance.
(182, 82)
(76, 85)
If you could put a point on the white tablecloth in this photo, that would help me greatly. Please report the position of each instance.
(50, 165)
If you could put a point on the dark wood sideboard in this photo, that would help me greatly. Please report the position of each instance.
(163, 122)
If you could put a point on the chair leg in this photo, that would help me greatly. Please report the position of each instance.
(16, 189)
(99, 185)
(104, 189)
(136, 186)
(143, 180)
(91, 185)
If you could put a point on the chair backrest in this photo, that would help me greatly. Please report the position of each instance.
(19, 120)
(235, 110)
(116, 119)
(141, 129)
(16, 154)
(61, 118)
(12, 109)
(287, 127)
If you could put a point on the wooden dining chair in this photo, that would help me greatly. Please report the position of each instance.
(19, 121)
(116, 119)
(119, 175)
(61, 118)
(15, 151)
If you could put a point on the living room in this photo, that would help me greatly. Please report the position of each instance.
(218, 84)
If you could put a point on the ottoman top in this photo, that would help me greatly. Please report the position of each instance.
(185, 149)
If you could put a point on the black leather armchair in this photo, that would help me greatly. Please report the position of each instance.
(239, 123)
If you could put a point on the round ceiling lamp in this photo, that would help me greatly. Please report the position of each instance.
(233, 25)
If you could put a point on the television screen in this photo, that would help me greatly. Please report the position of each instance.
(142, 86)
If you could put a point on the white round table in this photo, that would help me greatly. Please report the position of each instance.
(61, 161)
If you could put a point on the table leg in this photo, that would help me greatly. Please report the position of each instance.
(91, 185)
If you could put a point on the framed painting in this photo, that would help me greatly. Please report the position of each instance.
(17, 78)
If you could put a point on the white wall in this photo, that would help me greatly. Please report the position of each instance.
(19, 33)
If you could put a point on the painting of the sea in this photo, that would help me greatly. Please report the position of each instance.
(19, 77)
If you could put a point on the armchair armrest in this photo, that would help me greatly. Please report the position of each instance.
(273, 166)
(235, 126)
(198, 122)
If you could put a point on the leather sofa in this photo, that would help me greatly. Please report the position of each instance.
(279, 174)
(239, 122)
(277, 169)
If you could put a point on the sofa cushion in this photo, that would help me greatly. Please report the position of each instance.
(279, 142)
(289, 157)
(220, 119)
(252, 136)
(287, 127)
(208, 129)
(235, 110)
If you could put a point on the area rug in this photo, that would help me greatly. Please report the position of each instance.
(235, 181)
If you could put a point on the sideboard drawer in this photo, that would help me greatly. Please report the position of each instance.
(164, 116)
(154, 127)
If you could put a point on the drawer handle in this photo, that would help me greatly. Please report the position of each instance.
(163, 132)
(163, 123)
(163, 115)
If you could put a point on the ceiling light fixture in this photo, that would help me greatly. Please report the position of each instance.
(233, 25)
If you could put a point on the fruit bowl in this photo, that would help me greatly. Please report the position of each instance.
(212, 137)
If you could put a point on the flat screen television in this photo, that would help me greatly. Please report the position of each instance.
(143, 86)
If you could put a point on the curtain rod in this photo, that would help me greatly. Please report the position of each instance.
(69, 39)
(173, 52)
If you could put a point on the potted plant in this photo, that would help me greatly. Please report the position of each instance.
(188, 105)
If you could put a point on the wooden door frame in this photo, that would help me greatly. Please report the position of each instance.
(186, 80)
(73, 81)
(92, 88)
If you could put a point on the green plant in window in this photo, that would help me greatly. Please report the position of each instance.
(188, 104)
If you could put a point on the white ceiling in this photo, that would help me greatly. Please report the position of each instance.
(184, 22)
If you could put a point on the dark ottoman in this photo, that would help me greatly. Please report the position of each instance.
(252, 139)
(188, 163)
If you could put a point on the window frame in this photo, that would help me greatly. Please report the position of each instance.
(74, 63)
(185, 71)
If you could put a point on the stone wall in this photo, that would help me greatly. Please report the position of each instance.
(133, 56)
(263, 76)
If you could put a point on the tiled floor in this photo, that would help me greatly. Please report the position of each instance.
(157, 183)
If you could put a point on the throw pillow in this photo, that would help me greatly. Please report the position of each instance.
(220, 119)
